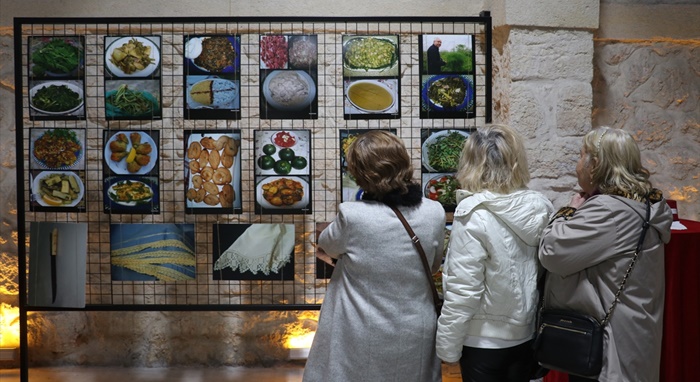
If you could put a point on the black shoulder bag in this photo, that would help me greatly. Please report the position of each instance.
(416, 242)
(572, 342)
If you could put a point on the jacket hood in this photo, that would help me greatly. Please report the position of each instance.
(520, 210)
(660, 214)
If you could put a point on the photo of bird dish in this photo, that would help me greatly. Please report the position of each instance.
(371, 96)
(131, 153)
(212, 54)
(57, 149)
(282, 152)
(213, 170)
(212, 93)
(371, 56)
(133, 56)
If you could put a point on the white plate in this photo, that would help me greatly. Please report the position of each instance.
(69, 85)
(265, 204)
(382, 85)
(120, 167)
(388, 71)
(128, 204)
(311, 86)
(300, 148)
(148, 70)
(192, 104)
(36, 186)
(432, 139)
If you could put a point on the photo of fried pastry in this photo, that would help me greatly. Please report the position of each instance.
(212, 170)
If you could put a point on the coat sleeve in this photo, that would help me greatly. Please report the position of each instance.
(333, 239)
(570, 245)
(463, 285)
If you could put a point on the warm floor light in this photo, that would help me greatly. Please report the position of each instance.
(9, 326)
(299, 345)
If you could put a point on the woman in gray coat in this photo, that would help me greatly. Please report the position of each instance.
(589, 245)
(377, 321)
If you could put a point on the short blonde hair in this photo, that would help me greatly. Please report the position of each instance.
(493, 159)
(615, 162)
(380, 164)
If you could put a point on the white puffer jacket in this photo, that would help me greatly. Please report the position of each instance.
(490, 271)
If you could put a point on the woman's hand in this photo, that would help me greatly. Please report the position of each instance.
(578, 199)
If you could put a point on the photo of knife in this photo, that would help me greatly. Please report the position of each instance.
(54, 252)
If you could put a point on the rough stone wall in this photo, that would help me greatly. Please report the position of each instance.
(652, 89)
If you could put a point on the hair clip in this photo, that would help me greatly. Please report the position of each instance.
(600, 138)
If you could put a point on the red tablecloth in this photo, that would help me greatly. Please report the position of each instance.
(680, 348)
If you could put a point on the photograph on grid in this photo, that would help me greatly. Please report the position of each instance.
(288, 76)
(371, 82)
(440, 153)
(57, 264)
(56, 73)
(447, 67)
(253, 251)
(212, 76)
(132, 77)
(282, 171)
(212, 171)
(152, 252)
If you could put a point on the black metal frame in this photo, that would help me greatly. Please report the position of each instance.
(484, 18)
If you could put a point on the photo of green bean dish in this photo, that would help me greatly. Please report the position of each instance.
(441, 151)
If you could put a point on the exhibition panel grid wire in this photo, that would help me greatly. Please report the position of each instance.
(319, 128)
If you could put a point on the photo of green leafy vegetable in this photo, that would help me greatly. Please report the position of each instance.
(56, 57)
(129, 102)
(55, 97)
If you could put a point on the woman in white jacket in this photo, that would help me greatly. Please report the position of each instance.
(490, 272)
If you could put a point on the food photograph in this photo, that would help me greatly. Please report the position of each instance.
(447, 95)
(372, 97)
(282, 195)
(134, 99)
(56, 57)
(441, 149)
(370, 56)
(213, 171)
(212, 93)
(64, 99)
(441, 188)
(131, 195)
(289, 94)
(56, 189)
(131, 152)
(282, 152)
(132, 56)
(207, 54)
(57, 149)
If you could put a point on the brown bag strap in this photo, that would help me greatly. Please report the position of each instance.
(421, 252)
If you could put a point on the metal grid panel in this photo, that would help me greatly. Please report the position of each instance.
(203, 293)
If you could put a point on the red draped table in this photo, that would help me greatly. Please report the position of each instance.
(680, 348)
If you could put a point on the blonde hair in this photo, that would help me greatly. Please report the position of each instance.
(380, 163)
(615, 162)
(493, 158)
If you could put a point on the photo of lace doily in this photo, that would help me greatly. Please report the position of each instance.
(262, 248)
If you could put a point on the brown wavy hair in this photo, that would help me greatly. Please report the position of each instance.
(380, 163)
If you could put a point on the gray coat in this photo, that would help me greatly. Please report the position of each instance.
(587, 256)
(377, 321)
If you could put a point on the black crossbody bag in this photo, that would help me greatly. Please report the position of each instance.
(572, 342)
